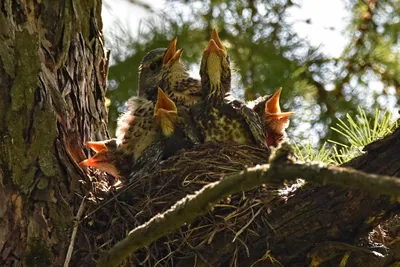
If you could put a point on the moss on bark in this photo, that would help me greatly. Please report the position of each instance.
(48, 51)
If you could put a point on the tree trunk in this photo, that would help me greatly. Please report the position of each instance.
(52, 89)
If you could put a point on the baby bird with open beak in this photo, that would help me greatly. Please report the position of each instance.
(220, 117)
(275, 121)
(107, 158)
(178, 129)
(138, 129)
(215, 71)
(172, 76)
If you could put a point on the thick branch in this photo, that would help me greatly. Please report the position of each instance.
(345, 177)
(186, 210)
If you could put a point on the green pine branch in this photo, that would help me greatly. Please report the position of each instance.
(358, 132)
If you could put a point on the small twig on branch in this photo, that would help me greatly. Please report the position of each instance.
(74, 231)
(281, 168)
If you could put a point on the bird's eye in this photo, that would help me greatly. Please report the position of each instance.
(154, 66)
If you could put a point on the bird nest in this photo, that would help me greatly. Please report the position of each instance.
(228, 229)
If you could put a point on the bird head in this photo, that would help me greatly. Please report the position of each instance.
(276, 121)
(149, 70)
(161, 67)
(166, 113)
(215, 69)
(105, 157)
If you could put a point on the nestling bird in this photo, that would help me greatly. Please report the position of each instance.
(172, 76)
(173, 131)
(142, 125)
(275, 122)
(215, 71)
(219, 117)
(136, 130)
(145, 123)
(135, 124)
(177, 127)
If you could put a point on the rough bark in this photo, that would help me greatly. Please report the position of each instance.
(52, 85)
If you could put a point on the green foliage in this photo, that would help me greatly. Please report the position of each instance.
(358, 131)
(307, 153)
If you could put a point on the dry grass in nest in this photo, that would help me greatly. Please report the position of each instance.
(238, 218)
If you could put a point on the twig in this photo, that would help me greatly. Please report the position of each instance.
(74, 231)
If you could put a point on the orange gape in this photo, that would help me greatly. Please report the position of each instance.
(104, 159)
(275, 120)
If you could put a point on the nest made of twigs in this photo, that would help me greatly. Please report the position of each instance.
(228, 229)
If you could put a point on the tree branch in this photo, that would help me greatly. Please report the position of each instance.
(281, 168)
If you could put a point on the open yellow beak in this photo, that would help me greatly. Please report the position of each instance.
(213, 48)
(165, 112)
(172, 55)
(164, 102)
(272, 107)
(217, 40)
